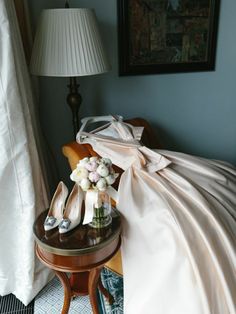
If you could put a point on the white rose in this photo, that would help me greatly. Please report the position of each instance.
(103, 170)
(83, 162)
(101, 184)
(82, 172)
(85, 184)
(110, 179)
(93, 159)
(78, 174)
(73, 176)
(106, 161)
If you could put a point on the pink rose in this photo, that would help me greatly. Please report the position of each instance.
(91, 166)
(94, 177)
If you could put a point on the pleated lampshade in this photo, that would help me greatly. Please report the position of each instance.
(68, 43)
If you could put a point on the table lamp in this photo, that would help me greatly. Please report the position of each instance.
(68, 44)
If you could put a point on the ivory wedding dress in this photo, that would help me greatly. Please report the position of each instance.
(179, 228)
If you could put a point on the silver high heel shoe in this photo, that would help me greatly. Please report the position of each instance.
(55, 212)
(72, 213)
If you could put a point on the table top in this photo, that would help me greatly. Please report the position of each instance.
(81, 240)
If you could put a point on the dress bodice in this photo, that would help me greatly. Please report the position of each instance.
(121, 143)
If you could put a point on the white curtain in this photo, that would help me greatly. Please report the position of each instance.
(22, 185)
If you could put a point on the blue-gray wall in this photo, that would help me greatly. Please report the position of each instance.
(192, 112)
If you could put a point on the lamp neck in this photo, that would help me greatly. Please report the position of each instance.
(74, 100)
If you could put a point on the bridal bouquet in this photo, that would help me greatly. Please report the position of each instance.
(95, 176)
(94, 173)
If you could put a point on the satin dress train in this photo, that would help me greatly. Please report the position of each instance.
(179, 227)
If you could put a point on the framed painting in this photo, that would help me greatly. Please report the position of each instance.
(167, 36)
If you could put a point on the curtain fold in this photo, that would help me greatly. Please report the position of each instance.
(22, 12)
(22, 184)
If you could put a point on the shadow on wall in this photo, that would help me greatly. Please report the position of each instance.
(167, 141)
(92, 96)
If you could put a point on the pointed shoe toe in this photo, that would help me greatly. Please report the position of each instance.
(72, 213)
(50, 223)
(56, 208)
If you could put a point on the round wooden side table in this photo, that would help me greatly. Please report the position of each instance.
(78, 256)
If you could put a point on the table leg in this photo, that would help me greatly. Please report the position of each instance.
(92, 286)
(67, 291)
(105, 292)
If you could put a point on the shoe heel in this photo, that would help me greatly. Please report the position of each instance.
(72, 213)
(55, 212)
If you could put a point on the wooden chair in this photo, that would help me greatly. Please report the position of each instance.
(74, 151)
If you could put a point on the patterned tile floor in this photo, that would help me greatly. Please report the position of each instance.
(50, 300)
